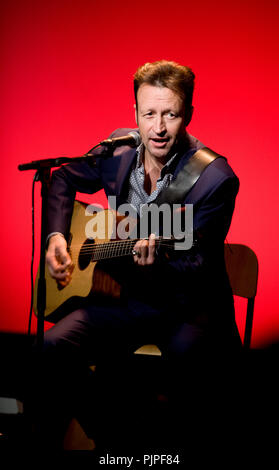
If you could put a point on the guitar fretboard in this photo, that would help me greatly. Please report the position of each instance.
(113, 249)
(117, 248)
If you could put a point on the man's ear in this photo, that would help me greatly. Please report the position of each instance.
(136, 114)
(188, 115)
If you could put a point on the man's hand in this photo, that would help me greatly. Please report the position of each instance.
(145, 251)
(58, 260)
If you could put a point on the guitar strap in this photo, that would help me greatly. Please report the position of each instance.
(188, 176)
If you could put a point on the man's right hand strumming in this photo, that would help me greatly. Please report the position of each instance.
(58, 260)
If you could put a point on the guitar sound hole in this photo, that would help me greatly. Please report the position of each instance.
(85, 254)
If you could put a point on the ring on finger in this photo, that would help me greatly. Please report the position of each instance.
(136, 253)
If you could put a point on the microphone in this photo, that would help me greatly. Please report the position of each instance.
(132, 139)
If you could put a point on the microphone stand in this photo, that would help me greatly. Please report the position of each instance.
(43, 174)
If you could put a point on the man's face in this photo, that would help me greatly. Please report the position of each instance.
(161, 120)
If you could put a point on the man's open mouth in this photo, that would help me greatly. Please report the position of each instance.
(159, 142)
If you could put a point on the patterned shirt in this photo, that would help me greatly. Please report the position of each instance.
(137, 194)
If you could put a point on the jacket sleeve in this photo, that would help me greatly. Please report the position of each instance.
(66, 181)
(81, 177)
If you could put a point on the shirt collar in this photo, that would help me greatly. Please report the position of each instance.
(167, 168)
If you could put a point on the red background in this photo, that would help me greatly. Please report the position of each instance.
(66, 83)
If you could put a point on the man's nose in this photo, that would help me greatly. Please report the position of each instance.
(159, 125)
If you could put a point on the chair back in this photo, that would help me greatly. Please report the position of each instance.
(242, 268)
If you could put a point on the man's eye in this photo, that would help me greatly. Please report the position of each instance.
(171, 115)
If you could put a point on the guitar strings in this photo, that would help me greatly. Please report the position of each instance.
(114, 248)
(115, 245)
(119, 244)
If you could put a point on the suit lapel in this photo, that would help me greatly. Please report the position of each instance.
(183, 161)
(193, 145)
(127, 159)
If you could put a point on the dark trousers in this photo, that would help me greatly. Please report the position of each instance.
(106, 334)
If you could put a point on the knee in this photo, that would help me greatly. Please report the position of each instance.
(51, 341)
(187, 341)
(50, 355)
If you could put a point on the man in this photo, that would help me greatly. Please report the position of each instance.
(183, 302)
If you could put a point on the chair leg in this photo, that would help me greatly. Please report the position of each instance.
(76, 439)
(249, 323)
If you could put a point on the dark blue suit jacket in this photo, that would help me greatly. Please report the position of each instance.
(193, 286)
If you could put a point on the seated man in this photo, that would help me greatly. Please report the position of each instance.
(182, 303)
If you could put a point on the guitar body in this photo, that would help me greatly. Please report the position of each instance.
(87, 278)
(93, 237)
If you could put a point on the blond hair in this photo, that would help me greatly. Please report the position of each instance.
(178, 78)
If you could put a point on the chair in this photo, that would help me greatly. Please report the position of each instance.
(242, 268)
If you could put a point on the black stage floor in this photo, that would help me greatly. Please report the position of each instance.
(246, 416)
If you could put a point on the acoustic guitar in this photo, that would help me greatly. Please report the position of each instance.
(87, 278)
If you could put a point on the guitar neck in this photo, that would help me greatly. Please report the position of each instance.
(115, 249)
